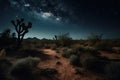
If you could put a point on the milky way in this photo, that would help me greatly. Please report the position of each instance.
(55, 9)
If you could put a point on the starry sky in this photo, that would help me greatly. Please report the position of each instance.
(52, 17)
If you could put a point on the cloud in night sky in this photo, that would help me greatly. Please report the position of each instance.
(50, 17)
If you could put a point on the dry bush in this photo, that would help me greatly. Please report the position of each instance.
(22, 69)
(73, 55)
(27, 69)
(63, 40)
(78, 48)
(74, 60)
(104, 45)
(68, 53)
(92, 52)
(73, 51)
(94, 64)
(94, 38)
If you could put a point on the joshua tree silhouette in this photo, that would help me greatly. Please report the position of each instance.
(21, 29)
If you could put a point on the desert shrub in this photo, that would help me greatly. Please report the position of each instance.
(79, 71)
(101, 46)
(104, 45)
(92, 52)
(77, 50)
(94, 38)
(5, 65)
(67, 53)
(22, 69)
(63, 39)
(74, 60)
(94, 64)
(113, 71)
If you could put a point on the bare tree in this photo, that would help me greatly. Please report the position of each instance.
(21, 29)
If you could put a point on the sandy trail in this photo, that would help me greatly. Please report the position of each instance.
(65, 70)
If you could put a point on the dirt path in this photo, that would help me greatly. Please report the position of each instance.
(65, 70)
(61, 64)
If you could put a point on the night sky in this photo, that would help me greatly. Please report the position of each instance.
(52, 17)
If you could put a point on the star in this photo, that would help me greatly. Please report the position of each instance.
(58, 19)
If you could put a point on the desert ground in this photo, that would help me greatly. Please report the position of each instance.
(63, 59)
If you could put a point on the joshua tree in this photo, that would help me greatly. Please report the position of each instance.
(21, 29)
